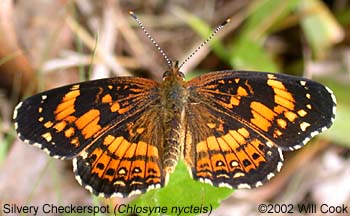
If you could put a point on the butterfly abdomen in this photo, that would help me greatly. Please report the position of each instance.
(173, 100)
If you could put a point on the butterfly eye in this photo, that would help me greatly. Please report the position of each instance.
(166, 74)
(181, 75)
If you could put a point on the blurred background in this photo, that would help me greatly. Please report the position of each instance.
(46, 44)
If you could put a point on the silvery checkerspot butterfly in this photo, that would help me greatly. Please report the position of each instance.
(126, 134)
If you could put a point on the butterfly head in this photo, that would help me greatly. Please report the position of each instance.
(174, 72)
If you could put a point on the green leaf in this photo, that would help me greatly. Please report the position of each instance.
(339, 132)
(182, 194)
(249, 55)
(203, 30)
(265, 15)
(320, 27)
(247, 51)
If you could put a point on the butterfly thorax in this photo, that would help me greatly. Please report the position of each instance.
(173, 100)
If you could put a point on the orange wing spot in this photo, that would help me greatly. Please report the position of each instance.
(237, 80)
(284, 102)
(48, 124)
(242, 155)
(66, 107)
(150, 165)
(211, 86)
(225, 147)
(211, 125)
(47, 136)
(123, 110)
(218, 162)
(60, 126)
(141, 149)
(204, 167)
(152, 151)
(251, 150)
(103, 159)
(232, 159)
(263, 110)
(131, 151)
(114, 143)
(140, 130)
(238, 137)
(130, 129)
(213, 143)
(110, 87)
(279, 109)
(228, 138)
(115, 107)
(121, 145)
(285, 94)
(75, 141)
(70, 119)
(91, 129)
(241, 91)
(69, 132)
(137, 168)
(290, 116)
(75, 87)
(40, 110)
(98, 152)
(41, 119)
(202, 147)
(301, 113)
(243, 132)
(137, 90)
(234, 101)
(67, 111)
(260, 121)
(282, 123)
(71, 95)
(107, 99)
(112, 165)
(108, 139)
(256, 143)
(275, 84)
(87, 118)
(277, 133)
(221, 81)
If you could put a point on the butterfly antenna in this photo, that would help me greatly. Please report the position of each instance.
(216, 30)
(167, 59)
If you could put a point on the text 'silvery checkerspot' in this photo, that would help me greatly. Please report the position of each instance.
(126, 134)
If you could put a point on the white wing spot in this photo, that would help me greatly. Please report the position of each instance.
(258, 184)
(15, 113)
(222, 184)
(270, 176)
(303, 83)
(243, 186)
(304, 126)
(279, 166)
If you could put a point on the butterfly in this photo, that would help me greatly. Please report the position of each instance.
(126, 134)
